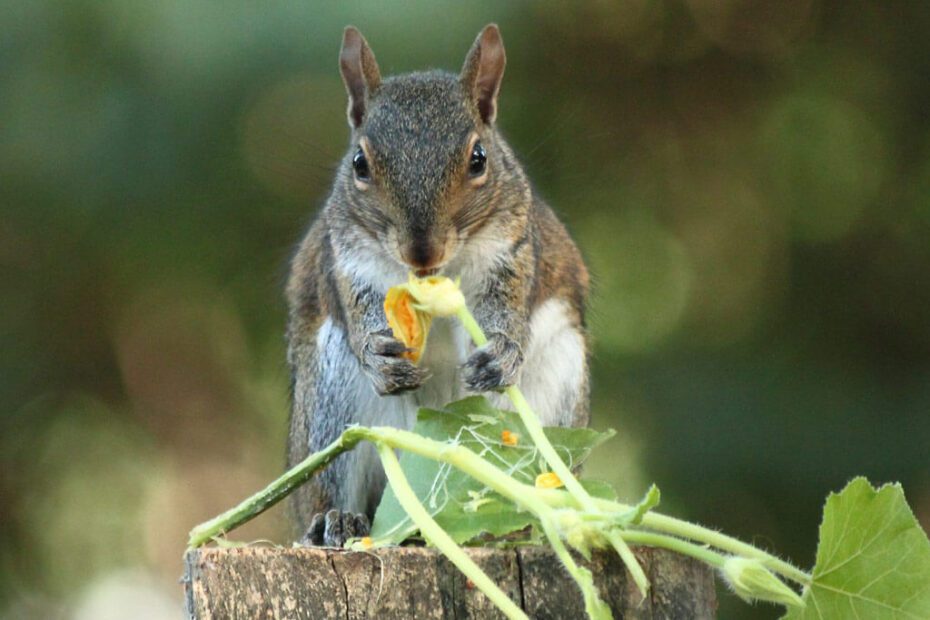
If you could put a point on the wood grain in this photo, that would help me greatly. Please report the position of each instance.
(415, 582)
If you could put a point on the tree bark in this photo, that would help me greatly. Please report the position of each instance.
(416, 582)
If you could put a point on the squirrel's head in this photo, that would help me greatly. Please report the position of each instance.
(425, 167)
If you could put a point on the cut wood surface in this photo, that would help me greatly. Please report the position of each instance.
(416, 582)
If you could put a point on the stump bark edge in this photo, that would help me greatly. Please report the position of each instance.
(415, 582)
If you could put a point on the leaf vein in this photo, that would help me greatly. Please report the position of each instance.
(867, 600)
(862, 548)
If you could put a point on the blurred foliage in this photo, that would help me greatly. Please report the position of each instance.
(750, 182)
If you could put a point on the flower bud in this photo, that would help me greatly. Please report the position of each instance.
(750, 580)
(579, 533)
(509, 438)
(548, 480)
(362, 544)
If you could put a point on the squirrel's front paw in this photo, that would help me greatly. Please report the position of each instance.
(390, 372)
(493, 366)
(334, 528)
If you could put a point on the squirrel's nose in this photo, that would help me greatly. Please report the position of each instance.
(423, 256)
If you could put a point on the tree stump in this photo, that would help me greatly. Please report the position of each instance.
(417, 582)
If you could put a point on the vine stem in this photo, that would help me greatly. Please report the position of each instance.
(555, 462)
(279, 488)
(678, 527)
(678, 545)
(685, 529)
(522, 494)
(439, 537)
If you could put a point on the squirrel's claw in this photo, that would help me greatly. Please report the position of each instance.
(389, 371)
(493, 366)
(384, 343)
(393, 375)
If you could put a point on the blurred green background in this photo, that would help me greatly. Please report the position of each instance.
(749, 180)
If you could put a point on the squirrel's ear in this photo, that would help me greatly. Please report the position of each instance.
(359, 72)
(483, 70)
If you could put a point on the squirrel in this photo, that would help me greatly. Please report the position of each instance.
(427, 185)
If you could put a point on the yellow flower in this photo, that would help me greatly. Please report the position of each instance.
(409, 325)
(508, 438)
(366, 542)
(548, 480)
(409, 308)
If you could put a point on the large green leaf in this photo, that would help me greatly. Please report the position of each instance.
(873, 560)
(460, 504)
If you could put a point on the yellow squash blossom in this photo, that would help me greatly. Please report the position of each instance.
(409, 308)
(409, 325)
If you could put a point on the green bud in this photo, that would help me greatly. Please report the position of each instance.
(750, 580)
(579, 533)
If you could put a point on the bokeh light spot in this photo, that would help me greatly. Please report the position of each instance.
(826, 160)
(292, 135)
(738, 249)
(125, 594)
(753, 26)
(91, 471)
(644, 272)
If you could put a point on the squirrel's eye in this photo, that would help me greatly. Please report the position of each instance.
(478, 160)
(360, 165)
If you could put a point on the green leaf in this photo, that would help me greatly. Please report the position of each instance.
(649, 501)
(460, 504)
(873, 560)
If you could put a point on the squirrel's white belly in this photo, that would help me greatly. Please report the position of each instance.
(447, 348)
(554, 366)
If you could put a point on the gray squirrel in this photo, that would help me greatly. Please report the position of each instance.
(427, 185)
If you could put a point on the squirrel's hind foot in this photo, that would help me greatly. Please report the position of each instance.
(334, 527)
